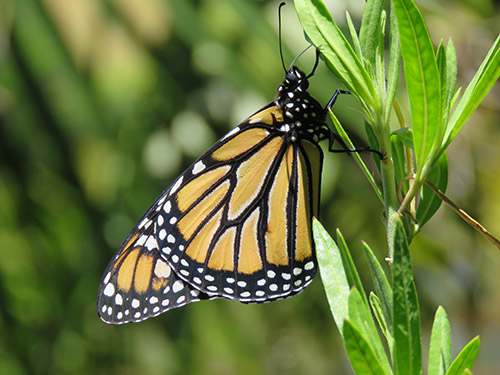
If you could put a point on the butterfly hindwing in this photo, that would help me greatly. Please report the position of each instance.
(139, 283)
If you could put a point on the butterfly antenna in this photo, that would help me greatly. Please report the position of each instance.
(279, 35)
(300, 54)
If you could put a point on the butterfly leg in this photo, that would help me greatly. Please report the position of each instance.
(335, 95)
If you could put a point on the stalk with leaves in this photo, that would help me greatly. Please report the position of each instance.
(415, 157)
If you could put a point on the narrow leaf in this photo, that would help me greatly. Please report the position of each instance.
(466, 358)
(361, 354)
(394, 64)
(422, 78)
(370, 25)
(354, 36)
(481, 84)
(379, 315)
(407, 349)
(440, 347)
(451, 77)
(332, 273)
(361, 317)
(381, 284)
(350, 270)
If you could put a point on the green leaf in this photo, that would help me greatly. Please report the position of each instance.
(382, 322)
(466, 358)
(484, 79)
(422, 79)
(370, 24)
(351, 272)
(354, 36)
(361, 354)
(440, 347)
(429, 202)
(394, 64)
(451, 78)
(361, 317)
(407, 349)
(332, 273)
(381, 284)
(336, 50)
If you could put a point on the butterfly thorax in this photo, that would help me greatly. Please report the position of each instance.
(303, 116)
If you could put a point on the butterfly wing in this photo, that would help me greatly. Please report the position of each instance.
(139, 283)
(236, 224)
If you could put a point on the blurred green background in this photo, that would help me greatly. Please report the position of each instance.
(104, 103)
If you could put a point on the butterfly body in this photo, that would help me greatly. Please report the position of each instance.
(235, 224)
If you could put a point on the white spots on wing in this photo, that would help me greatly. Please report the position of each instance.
(297, 271)
(177, 287)
(106, 279)
(153, 300)
(151, 243)
(118, 299)
(162, 269)
(234, 131)
(173, 220)
(255, 120)
(160, 220)
(309, 266)
(181, 299)
(177, 185)
(162, 234)
(135, 303)
(146, 222)
(198, 167)
(271, 274)
(109, 290)
(170, 238)
(167, 207)
(142, 240)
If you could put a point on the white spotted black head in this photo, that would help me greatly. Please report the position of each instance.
(302, 114)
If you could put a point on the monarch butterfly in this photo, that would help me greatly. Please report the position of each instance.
(237, 223)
